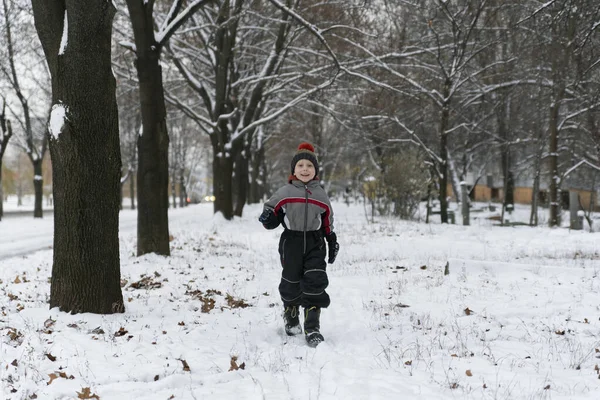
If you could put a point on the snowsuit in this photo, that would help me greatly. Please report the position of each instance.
(305, 212)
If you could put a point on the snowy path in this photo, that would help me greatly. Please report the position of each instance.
(22, 235)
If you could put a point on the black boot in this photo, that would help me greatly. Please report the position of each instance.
(292, 322)
(311, 326)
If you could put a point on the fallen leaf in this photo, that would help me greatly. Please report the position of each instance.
(97, 331)
(121, 332)
(50, 357)
(49, 322)
(17, 280)
(467, 311)
(233, 366)
(186, 367)
(233, 303)
(52, 378)
(468, 372)
(146, 283)
(85, 394)
(64, 375)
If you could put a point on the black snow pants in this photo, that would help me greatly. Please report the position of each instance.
(303, 279)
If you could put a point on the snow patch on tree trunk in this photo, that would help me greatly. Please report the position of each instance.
(65, 36)
(58, 118)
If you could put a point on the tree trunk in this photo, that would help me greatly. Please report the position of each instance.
(257, 182)
(241, 174)
(533, 218)
(182, 190)
(1, 193)
(553, 166)
(86, 159)
(153, 144)
(38, 187)
(173, 190)
(121, 195)
(153, 159)
(132, 191)
(222, 184)
(444, 164)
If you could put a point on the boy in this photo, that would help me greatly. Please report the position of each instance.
(304, 209)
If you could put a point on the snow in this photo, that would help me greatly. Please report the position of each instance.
(516, 318)
(65, 36)
(58, 118)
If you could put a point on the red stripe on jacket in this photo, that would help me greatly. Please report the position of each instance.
(326, 221)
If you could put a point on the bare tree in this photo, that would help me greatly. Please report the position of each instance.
(567, 68)
(153, 143)
(245, 69)
(33, 144)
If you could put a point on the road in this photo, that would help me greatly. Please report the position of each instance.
(20, 213)
(21, 234)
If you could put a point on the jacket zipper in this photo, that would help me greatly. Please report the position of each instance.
(305, 214)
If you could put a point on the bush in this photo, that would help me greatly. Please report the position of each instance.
(405, 183)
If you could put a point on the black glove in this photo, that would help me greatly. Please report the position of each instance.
(333, 246)
(268, 219)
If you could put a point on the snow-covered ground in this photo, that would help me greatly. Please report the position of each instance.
(517, 317)
(11, 203)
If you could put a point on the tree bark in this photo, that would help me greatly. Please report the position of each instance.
(241, 175)
(38, 188)
(1, 195)
(223, 185)
(257, 178)
(5, 126)
(443, 136)
(553, 166)
(132, 191)
(182, 189)
(174, 190)
(85, 154)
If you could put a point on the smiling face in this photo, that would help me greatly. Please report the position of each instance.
(304, 170)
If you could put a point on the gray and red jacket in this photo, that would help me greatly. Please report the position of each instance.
(302, 207)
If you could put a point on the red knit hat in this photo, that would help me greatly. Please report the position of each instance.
(306, 151)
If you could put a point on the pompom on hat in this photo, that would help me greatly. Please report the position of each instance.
(305, 151)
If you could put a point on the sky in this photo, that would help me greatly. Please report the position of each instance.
(517, 317)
